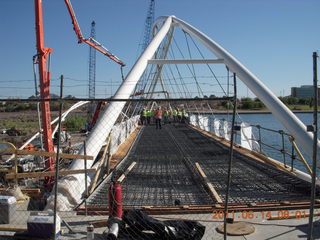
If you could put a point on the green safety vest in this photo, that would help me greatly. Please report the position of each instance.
(166, 114)
(184, 113)
(144, 113)
(149, 114)
(175, 112)
(179, 113)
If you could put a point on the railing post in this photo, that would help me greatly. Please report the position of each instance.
(283, 150)
(260, 145)
(292, 156)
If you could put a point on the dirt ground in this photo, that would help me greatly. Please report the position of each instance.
(25, 122)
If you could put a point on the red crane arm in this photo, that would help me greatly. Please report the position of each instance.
(75, 24)
(104, 51)
(91, 42)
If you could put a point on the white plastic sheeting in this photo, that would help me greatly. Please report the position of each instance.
(222, 128)
(216, 127)
(226, 130)
(247, 138)
(121, 131)
(204, 123)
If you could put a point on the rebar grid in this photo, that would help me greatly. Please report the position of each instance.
(165, 174)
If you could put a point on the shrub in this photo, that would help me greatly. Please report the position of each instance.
(75, 123)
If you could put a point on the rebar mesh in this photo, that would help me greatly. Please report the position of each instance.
(165, 173)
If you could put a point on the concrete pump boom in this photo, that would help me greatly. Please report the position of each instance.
(90, 41)
(44, 75)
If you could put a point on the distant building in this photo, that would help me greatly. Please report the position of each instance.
(305, 91)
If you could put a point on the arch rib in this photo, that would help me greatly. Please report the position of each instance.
(279, 110)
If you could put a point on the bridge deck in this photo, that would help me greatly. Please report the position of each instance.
(165, 172)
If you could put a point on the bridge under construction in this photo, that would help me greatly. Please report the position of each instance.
(179, 165)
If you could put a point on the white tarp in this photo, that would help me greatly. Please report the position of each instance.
(246, 136)
(222, 128)
(193, 120)
(120, 132)
(216, 126)
(203, 122)
(226, 130)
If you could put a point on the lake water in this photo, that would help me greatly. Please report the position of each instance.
(274, 139)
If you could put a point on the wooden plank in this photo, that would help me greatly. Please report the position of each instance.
(6, 170)
(200, 170)
(102, 161)
(123, 149)
(100, 223)
(47, 174)
(122, 177)
(46, 154)
(302, 159)
(13, 228)
(34, 193)
(209, 185)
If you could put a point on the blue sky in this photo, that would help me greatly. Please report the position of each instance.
(274, 39)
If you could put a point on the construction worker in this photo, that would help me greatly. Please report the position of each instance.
(179, 115)
(184, 115)
(165, 116)
(149, 114)
(143, 117)
(158, 117)
(175, 115)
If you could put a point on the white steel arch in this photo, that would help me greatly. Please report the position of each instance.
(291, 122)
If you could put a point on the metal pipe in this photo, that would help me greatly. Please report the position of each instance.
(315, 142)
(57, 161)
(231, 155)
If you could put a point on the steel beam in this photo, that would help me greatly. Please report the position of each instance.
(185, 61)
